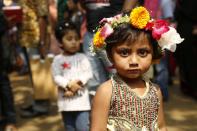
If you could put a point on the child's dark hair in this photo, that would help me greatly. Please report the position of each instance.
(63, 27)
(126, 32)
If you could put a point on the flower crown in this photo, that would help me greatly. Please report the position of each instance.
(166, 36)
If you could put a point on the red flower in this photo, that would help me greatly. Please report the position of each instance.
(159, 27)
(149, 25)
(65, 65)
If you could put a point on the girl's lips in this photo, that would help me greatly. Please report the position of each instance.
(134, 71)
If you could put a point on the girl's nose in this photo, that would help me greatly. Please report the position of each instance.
(133, 61)
(74, 41)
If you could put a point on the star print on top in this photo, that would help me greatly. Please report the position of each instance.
(66, 65)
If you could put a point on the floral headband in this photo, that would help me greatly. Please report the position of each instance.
(166, 36)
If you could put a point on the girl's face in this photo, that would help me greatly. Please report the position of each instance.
(132, 60)
(70, 42)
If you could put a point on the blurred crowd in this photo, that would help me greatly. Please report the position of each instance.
(28, 39)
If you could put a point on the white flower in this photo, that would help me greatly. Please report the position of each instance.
(92, 50)
(169, 40)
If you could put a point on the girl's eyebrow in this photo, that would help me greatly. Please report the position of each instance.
(122, 46)
(147, 48)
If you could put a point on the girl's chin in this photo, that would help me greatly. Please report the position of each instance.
(70, 52)
(129, 76)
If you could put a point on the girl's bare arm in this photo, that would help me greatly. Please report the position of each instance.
(161, 119)
(100, 108)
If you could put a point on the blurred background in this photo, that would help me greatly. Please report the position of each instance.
(28, 95)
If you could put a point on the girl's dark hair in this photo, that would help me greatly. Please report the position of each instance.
(63, 27)
(126, 32)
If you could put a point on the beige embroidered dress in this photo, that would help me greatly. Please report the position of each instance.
(130, 112)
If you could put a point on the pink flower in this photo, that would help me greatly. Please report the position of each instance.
(149, 26)
(107, 20)
(111, 19)
(117, 17)
(106, 30)
(159, 27)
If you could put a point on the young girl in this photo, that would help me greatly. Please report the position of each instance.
(71, 71)
(129, 101)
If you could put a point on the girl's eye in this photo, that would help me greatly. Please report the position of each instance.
(124, 52)
(143, 52)
(77, 38)
(69, 38)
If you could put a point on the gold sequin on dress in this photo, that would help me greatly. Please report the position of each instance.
(130, 112)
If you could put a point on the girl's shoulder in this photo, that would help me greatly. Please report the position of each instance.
(155, 86)
(82, 57)
(151, 84)
(103, 96)
(57, 57)
(105, 89)
(157, 89)
(79, 54)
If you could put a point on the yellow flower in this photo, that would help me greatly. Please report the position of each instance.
(139, 17)
(98, 40)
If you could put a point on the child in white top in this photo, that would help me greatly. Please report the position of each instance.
(71, 71)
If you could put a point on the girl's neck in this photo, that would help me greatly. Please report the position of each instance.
(66, 53)
(132, 82)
